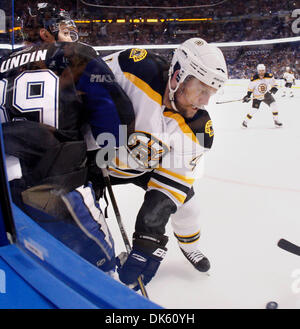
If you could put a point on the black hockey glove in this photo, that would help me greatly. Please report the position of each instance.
(273, 90)
(268, 96)
(144, 259)
(247, 98)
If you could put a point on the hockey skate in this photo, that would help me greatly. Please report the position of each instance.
(244, 124)
(277, 123)
(197, 259)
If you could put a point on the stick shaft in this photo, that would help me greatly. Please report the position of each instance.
(289, 246)
(235, 100)
(120, 223)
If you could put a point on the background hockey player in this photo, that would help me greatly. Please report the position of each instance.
(173, 130)
(50, 93)
(289, 79)
(263, 86)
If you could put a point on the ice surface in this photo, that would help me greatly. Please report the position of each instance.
(250, 197)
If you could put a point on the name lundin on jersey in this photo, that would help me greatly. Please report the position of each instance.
(16, 61)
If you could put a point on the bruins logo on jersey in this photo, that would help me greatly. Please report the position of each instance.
(262, 88)
(199, 42)
(146, 149)
(138, 54)
(209, 129)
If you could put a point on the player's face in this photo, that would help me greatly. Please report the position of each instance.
(67, 33)
(261, 73)
(191, 96)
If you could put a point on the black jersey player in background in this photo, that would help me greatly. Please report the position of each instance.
(52, 92)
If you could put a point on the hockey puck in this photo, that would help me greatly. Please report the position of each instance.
(272, 306)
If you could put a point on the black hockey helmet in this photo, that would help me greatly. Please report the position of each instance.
(46, 15)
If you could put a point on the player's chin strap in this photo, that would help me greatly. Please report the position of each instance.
(172, 91)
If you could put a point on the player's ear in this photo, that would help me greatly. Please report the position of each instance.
(174, 79)
(46, 35)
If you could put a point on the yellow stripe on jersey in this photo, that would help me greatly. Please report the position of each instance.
(120, 164)
(182, 125)
(155, 96)
(180, 177)
(179, 197)
(122, 172)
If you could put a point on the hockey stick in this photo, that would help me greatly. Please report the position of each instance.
(289, 246)
(120, 223)
(236, 100)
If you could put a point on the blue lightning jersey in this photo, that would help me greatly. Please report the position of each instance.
(62, 85)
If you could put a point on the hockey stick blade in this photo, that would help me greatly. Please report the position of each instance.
(289, 246)
(235, 100)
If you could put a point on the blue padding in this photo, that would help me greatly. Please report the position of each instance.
(15, 293)
(47, 284)
(83, 279)
(3, 237)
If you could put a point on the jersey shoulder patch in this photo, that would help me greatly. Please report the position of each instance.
(146, 66)
(268, 75)
(202, 127)
(254, 77)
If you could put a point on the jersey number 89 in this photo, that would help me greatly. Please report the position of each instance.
(33, 91)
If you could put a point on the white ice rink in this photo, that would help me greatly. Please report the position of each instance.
(250, 198)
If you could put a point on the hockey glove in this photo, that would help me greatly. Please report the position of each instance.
(144, 259)
(273, 90)
(268, 97)
(247, 98)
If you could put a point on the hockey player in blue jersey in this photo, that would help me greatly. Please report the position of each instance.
(51, 99)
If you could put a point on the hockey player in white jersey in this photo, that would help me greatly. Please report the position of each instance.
(263, 86)
(173, 130)
(289, 79)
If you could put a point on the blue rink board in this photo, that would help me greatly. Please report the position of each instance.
(38, 271)
(56, 277)
(15, 293)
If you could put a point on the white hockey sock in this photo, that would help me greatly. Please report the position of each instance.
(250, 114)
(274, 110)
(186, 226)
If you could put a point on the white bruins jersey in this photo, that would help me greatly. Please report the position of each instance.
(289, 77)
(259, 86)
(164, 142)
